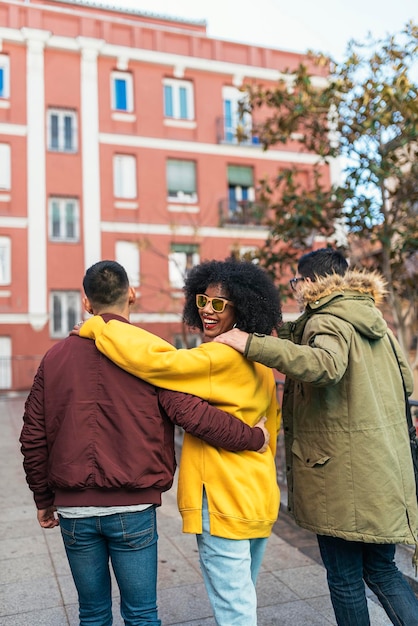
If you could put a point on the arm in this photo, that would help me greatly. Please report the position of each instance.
(403, 365)
(34, 445)
(149, 357)
(214, 426)
(322, 361)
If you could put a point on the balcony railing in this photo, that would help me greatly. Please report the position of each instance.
(241, 212)
(240, 134)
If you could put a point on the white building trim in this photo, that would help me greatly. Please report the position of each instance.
(168, 230)
(15, 130)
(13, 222)
(90, 149)
(233, 151)
(169, 59)
(35, 111)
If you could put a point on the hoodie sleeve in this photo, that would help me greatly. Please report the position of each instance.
(149, 357)
(216, 427)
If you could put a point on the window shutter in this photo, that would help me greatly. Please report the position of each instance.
(181, 176)
(240, 176)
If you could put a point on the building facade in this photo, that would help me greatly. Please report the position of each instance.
(121, 138)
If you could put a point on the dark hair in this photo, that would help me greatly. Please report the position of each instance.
(322, 262)
(106, 282)
(255, 297)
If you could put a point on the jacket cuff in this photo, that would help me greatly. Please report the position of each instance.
(45, 500)
(254, 346)
(257, 439)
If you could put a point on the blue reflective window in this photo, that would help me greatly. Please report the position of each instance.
(183, 103)
(168, 101)
(121, 96)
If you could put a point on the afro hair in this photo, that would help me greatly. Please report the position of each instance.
(255, 297)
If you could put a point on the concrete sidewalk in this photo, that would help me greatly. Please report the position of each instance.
(36, 587)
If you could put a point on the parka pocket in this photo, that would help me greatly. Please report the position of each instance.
(308, 454)
(310, 470)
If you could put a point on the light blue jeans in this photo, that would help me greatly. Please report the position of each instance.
(230, 568)
(130, 541)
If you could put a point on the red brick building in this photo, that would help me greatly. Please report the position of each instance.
(118, 140)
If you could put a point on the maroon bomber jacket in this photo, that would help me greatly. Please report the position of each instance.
(94, 435)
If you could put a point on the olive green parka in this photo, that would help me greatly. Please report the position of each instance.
(349, 466)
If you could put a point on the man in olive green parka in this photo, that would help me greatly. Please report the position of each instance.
(349, 467)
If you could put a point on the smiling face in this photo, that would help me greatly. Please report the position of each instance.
(216, 323)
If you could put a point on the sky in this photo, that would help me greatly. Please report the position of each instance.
(321, 25)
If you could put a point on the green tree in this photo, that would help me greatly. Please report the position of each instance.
(365, 118)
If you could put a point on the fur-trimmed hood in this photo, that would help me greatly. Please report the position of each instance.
(353, 297)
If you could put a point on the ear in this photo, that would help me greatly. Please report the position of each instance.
(132, 296)
(87, 306)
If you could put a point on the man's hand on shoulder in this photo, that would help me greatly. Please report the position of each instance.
(235, 338)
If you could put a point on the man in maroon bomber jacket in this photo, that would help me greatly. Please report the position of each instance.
(98, 446)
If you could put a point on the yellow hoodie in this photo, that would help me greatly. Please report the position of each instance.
(241, 487)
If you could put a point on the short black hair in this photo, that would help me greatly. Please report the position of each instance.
(322, 262)
(106, 283)
(255, 297)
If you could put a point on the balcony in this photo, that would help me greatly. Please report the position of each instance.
(239, 134)
(240, 212)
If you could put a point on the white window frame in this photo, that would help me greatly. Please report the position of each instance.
(127, 78)
(181, 259)
(62, 205)
(176, 85)
(234, 96)
(62, 115)
(127, 254)
(124, 176)
(5, 167)
(70, 303)
(5, 70)
(182, 195)
(5, 261)
(5, 362)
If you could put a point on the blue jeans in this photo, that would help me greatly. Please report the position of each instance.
(130, 541)
(349, 565)
(230, 568)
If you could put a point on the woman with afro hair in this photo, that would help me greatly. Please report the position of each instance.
(229, 500)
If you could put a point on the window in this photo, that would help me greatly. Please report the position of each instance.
(65, 312)
(5, 166)
(127, 254)
(240, 186)
(181, 180)
(63, 219)
(178, 99)
(237, 126)
(124, 176)
(5, 261)
(241, 207)
(4, 76)
(122, 91)
(5, 363)
(188, 341)
(180, 261)
(62, 130)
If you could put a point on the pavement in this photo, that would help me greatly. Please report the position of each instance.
(36, 587)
